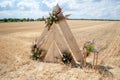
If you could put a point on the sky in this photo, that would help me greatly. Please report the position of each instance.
(86, 9)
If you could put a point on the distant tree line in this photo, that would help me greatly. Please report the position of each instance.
(41, 19)
(96, 19)
(20, 19)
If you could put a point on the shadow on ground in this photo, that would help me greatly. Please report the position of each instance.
(101, 69)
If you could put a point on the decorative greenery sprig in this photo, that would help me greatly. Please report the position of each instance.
(89, 48)
(36, 52)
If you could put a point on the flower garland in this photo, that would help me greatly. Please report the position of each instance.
(54, 17)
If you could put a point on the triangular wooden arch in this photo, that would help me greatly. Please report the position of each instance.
(58, 39)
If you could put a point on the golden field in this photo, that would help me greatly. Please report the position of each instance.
(15, 50)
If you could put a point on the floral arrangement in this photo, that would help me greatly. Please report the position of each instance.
(36, 52)
(67, 58)
(54, 17)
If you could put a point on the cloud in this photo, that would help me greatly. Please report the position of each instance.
(6, 3)
(31, 4)
(95, 9)
(22, 9)
(50, 3)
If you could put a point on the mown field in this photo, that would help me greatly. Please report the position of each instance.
(15, 50)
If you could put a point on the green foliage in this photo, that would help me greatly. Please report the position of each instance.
(89, 48)
(20, 19)
(40, 19)
(36, 52)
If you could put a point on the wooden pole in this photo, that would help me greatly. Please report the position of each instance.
(93, 60)
(96, 62)
(85, 59)
(70, 39)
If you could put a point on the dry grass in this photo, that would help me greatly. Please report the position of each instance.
(16, 39)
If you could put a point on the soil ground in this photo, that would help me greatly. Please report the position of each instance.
(15, 50)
